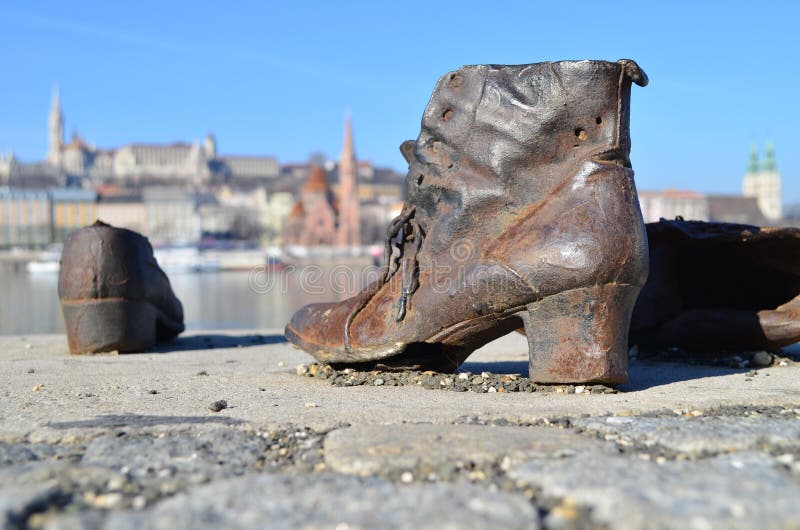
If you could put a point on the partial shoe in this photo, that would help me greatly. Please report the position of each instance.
(113, 294)
(719, 286)
(521, 207)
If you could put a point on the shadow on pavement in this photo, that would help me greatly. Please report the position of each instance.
(137, 420)
(496, 367)
(216, 341)
(643, 374)
(649, 374)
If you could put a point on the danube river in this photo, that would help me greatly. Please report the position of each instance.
(259, 298)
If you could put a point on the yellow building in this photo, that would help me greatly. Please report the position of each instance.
(24, 218)
(71, 209)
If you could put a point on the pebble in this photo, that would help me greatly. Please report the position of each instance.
(38, 387)
(762, 358)
(486, 382)
(217, 406)
(407, 477)
(31, 371)
(579, 389)
(311, 405)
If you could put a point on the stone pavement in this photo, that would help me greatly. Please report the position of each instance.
(132, 441)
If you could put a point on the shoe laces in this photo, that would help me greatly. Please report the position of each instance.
(403, 241)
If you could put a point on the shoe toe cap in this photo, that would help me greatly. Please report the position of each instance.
(318, 329)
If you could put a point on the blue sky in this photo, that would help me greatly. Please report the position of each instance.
(276, 78)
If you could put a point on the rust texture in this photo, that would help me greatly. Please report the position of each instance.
(520, 205)
(719, 286)
(113, 294)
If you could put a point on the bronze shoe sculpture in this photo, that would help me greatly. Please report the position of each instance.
(521, 206)
(719, 286)
(113, 294)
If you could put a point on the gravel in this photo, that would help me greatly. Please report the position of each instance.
(485, 382)
(326, 501)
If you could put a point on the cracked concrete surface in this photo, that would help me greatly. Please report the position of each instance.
(113, 441)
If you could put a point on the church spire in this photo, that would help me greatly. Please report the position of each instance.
(770, 164)
(753, 164)
(349, 232)
(348, 150)
(55, 129)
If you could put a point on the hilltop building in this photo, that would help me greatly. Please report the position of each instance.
(138, 164)
(763, 182)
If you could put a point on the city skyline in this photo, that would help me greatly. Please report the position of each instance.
(718, 78)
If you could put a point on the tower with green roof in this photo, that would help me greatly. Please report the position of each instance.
(763, 182)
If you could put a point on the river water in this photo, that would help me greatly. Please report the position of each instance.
(259, 298)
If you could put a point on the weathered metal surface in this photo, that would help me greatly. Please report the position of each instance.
(719, 286)
(519, 189)
(113, 294)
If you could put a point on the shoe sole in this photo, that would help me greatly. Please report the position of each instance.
(577, 336)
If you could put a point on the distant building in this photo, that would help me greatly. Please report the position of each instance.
(349, 225)
(669, 204)
(759, 204)
(7, 163)
(763, 182)
(71, 209)
(171, 216)
(38, 175)
(274, 217)
(735, 209)
(55, 131)
(695, 206)
(25, 218)
(244, 170)
(312, 220)
(122, 208)
(142, 164)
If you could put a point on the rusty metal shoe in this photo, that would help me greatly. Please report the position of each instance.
(113, 294)
(719, 286)
(521, 206)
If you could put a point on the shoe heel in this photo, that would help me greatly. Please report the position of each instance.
(581, 335)
(109, 324)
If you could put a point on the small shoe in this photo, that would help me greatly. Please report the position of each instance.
(113, 294)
